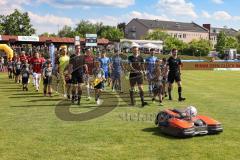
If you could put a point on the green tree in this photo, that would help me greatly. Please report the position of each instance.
(156, 35)
(46, 34)
(238, 37)
(200, 47)
(84, 27)
(122, 26)
(231, 42)
(112, 34)
(172, 42)
(221, 42)
(2, 24)
(18, 23)
(67, 31)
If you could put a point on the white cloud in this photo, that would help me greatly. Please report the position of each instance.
(49, 23)
(177, 8)
(144, 15)
(114, 20)
(50, 19)
(88, 3)
(205, 14)
(7, 7)
(222, 15)
(218, 1)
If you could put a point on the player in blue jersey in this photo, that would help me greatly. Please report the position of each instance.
(150, 65)
(105, 65)
(117, 67)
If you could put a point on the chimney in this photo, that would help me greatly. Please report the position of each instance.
(208, 27)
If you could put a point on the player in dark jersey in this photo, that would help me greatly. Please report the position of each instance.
(174, 66)
(137, 71)
(10, 68)
(47, 79)
(17, 69)
(77, 68)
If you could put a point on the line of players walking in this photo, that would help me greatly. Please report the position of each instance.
(97, 72)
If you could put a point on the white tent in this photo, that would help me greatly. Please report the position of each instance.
(134, 44)
(150, 45)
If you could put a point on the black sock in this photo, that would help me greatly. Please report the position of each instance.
(73, 95)
(141, 96)
(79, 94)
(180, 92)
(45, 92)
(131, 97)
(169, 93)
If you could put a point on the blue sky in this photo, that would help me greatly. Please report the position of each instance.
(49, 15)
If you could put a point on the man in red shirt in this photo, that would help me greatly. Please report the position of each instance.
(23, 57)
(36, 67)
(89, 60)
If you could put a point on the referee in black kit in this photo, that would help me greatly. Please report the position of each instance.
(174, 66)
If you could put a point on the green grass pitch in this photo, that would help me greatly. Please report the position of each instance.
(30, 129)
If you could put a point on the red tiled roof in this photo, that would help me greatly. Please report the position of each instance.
(54, 39)
(8, 37)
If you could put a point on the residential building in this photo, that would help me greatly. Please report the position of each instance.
(214, 31)
(138, 28)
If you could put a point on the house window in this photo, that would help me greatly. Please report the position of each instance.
(175, 35)
(184, 35)
(179, 36)
(134, 35)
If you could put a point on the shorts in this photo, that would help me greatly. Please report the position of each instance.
(164, 80)
(18, 72)
(36, 75)
(157, 89)
(77, 78)
(99, 86)
(47, 81)
(136, 78)
(149, 76)
(25, 80)
(116, 75)
(106, 74)
(175, 76)
(68, 80)
(10, 70)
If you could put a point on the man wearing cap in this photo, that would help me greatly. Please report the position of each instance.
(137, 73)
(150, 65)
(77, 67)
(174, 66)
